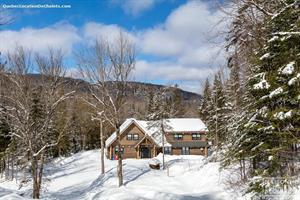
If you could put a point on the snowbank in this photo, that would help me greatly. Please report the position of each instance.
(78, 177)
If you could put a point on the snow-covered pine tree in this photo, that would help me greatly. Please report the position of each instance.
(4, 140)
(239, 97)
(159, 117)
(3, 125)
(205, 105)
(177, 107)
(218, 128)
(36, 108)
(158, 106)
(273, 132)
(235, 91)
(150, 104)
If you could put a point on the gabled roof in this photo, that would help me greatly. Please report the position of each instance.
(145, 137)
(171, 125)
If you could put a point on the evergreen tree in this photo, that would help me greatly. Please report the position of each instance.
(4, 130)
(150, 104)
(36, 108)
(235, 91)
(269, 128)
(160, 106)
(177, 107)
(218, 128)
(205, 108)
(4, 140)
(239, 98)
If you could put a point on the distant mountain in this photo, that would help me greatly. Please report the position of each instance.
(137, 92)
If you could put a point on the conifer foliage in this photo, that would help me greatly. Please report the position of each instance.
(265, 132)
(205, 106)
(275, 86)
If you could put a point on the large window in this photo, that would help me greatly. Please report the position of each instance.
(132, 136)
(168, 150)
(196, 136)
(185, 151)
(178, 136)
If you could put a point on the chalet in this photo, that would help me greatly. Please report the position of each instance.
(143, 139)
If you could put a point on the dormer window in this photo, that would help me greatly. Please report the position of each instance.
(178, 136)
(196, 136)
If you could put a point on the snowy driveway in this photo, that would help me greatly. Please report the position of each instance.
(77, 177)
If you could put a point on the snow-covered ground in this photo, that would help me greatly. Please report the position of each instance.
(77, 177)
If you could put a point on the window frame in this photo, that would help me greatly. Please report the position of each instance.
(129, 136)
(133, 136)
(195, 136)
(185, 150)
(122, 150)
(168, 150)
(176, 136)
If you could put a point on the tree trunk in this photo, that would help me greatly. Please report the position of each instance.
(41, 169)
(34, 170)
(244, 169)
(119, 169)
(163, 144)
(37, 175)
(12, 167)
(7, 167)
(217, 134)
(3, 166)
(102, 147)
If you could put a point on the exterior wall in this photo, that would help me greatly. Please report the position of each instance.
(193, 151)
(186, 137)
(176, 151)
(128, 145)
(131, 152)
(197, 151)
(131, 130)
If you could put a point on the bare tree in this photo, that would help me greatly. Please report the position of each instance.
(108, 66)
(32, 106)
(101, 120)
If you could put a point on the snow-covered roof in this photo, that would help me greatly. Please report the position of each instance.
(152, 128)
(186, 125)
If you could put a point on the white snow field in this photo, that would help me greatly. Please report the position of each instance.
(77, 177)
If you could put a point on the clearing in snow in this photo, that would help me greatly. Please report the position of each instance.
(78, 177)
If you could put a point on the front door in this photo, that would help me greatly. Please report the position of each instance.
(145, 152)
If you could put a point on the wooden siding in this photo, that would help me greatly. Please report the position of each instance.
(193, 151)
(131, 152)
(133, 129)
(197, 151)
(128, 145)
(185, 137)
(176, 151)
